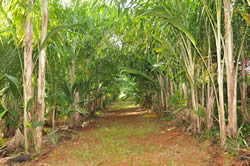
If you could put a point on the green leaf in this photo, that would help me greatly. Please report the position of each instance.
(14, 113)
(67, 91)
(173, 100)
(61, 96)
(139, 73)
(57, 29)
(158, 49)
(12, 123)
(2, 91)
(29, 125)
(201, 112)
(28, 105)
(78, 110)
(1, 108)
(179, 110)
(165, 45)
(13, 80)
(2, 114)
(160, 12)
(2, 76)
(37, 124)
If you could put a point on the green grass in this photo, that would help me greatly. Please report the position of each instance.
(84, 154)
(122, 105)
(115, 141)
(116, 131)
(122, 142)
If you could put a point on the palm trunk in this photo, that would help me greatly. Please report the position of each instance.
(28, 69)
(203, 94)
(244, 88)
(171, 88)
(210, 94)
(162, 92)
(185, 93)
(191, 72)
(42, 79)
(202, 102)
(166, 93)
(220, 77)
(53, 119)
(76, 115)
(210, 106)
(231, 77)
(195, 118)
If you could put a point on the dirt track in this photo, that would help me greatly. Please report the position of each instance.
(132, 137)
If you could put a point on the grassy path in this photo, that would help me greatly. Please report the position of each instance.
(131, 137)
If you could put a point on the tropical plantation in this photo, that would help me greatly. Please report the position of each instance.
(124, 82)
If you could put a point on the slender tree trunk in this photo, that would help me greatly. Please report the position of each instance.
(171, 88)
(76, 115)
(161, 81)
(203, 94)
(195, 118)
(53, 119)
(210, 100)
(73, 68)
(28, 67)
(210, 94)
(166, 92)
(231, 77)
(210, 106)
(42, 79)
(201, 119)
(220, 77)
(186, 114)
(185, 93)
(191, 72)
(244, 88)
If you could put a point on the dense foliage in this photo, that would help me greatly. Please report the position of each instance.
(168, 55)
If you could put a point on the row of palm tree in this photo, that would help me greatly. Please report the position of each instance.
(67, 60)
(187, 38)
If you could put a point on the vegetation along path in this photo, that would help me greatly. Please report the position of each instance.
(62, 61)
(132, 136)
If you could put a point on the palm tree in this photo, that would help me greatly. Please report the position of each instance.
(231, 76)
(42, 78)
(28, 70)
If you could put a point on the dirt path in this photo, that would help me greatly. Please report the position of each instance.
(131, 137)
